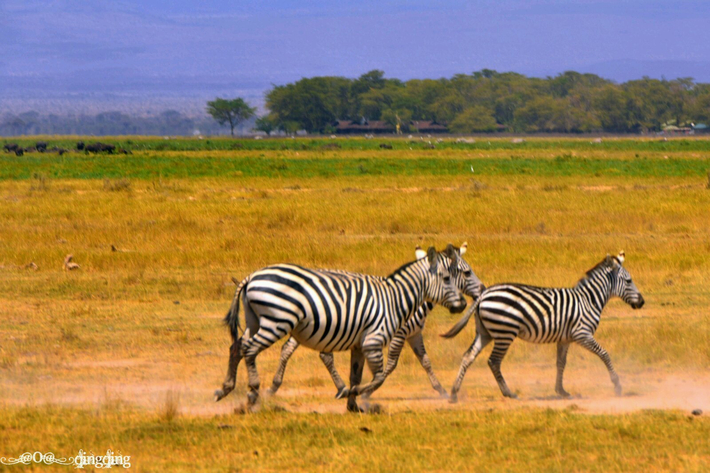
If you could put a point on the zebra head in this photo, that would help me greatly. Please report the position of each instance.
(442, 288)
(465, 278)
(622, 285)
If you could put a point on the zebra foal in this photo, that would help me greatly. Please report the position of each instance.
(505, 312)
(330, 311)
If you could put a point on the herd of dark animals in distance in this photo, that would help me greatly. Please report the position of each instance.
(41, 147)
(332, 310)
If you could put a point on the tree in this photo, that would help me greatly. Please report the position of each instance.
(400, 117)
(612, 107)
(230, 111)
(267, 124)
(474, 119)
(310, 104)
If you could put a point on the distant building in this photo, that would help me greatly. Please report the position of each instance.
(363, 126)
(676, 130)
(700, 128)
(428, 126)
(349, 127)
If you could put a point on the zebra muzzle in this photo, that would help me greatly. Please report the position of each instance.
(458, 307)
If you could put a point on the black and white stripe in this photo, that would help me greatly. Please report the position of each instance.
(331, 311)
(411, 333)
(505, 312)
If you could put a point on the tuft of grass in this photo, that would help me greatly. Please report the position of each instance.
(170, 409)
(68, 334)
(117, 185)
(40, 182)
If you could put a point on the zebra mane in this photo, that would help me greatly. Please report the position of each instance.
(593, 271)
(401, 269)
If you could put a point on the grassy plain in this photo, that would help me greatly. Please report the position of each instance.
(95, 358)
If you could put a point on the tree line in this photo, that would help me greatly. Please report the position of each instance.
(169, 122)
(486, 101)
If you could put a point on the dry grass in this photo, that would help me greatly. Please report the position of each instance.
(171, 407)
(144, 321)
(510, 440)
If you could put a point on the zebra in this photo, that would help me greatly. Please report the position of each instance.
(411, 332)
(546, 315)
(330, 311)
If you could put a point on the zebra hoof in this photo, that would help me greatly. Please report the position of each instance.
(563, 394)
(617, 390)
(252, 399)
(342, 393)
(512, 396)
(443, 394)
(454, 398)
(354, 408)
(218, 395)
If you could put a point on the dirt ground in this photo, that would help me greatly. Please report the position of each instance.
(145, 383)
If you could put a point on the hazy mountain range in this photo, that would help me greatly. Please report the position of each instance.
(78, 56)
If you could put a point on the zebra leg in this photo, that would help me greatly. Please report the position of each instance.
(417, 343)
(395, 350)
(374, 362)
(562, 348)
(357, 364)
(329, 362)
(261, 340)
(235, 356)
(591, 344)
(286, 352)
(500, 348)
(479, 343)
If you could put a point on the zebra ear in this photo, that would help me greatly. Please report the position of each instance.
(419, 253)
(463, 248)
(608, 261)
(431, 254)
(453, 254)
(621, 257)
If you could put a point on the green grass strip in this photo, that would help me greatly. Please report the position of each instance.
(150, 167)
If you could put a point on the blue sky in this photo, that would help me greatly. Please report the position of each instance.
(163, 46)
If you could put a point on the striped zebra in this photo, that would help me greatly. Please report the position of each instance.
(330, 311)
(546, 315)
(411, 333)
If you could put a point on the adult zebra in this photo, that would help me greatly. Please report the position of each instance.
(330, 311)
(546, 315)
(411, 333)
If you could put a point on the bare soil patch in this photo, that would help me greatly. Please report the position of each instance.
(144, 383)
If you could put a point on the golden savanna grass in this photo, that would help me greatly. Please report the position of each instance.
(125, 351)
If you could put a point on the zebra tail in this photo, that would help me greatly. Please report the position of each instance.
(463, 322)
(231, 320)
